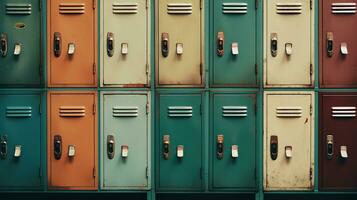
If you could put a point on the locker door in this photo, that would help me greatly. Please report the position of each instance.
(72, 143)
(179, 142)
(338, 43)
(125, 141)
(20, 141)
(288, 141)
(72, 43)
(338, 144)
(20, 52)
(288, 43)
(234, 61)
(125, 45)
(233, 141)
(179, 43)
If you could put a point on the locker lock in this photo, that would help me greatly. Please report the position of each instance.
(235, 152)
(179, 48)
(124, 48)
(274, 44)
(329, 139)
(344, 49)
(17, 153)
(110, 44)
(180, 151)
(273, 147)
(3, 147)
(288, 49)
(288, 152)
(57, 44)
(71, 151)
(220, 146)
(343, 151)
(165, 44)
(124, 151)
(57, 145)
(3, 43)
(110, 146)
(220, 44)
(71, 49)
(17, 49)
(166, 146)
(329, 44)
(235, 49)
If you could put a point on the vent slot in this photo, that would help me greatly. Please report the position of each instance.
(289, 112)
(343, 112)
(343, 8)
(234, 8)
(125, 111)
(18, 111)
(125, 8)
(180, 111)
(18, 9)
(234, 111)
(289, 8)
(179, 8)
(72, 8)
(72, 111)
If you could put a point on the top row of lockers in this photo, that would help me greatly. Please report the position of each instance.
(244, 37)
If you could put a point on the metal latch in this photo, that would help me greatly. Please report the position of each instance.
(3, 43)
(110, 146)
(288, 151)
(110, 44)
(17, 49)
(235, 49)
(180, 151)
(179, 48)
(71, 49)
(344, 50)
(3, 147)
(220, 146)
(57, 145)
(71, 151)
(235, 152)
(274, 147)
(166, 146)
(165, 44)
(330, 151)
(288, 49)
(124, 151)
(17, 153)
(124, 48)
(57, 44)
(329, 44)
(343, 151)
(274, 44)
(220, 44)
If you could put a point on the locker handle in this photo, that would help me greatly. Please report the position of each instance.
(110, 44)
(166, 146)
(3, 43)
(274, 44)
(329, 146)
(165, 44)
(288, 49)
(57, 145)
(343, 151)
(110, 146)
(220, 146)
(329, 44)
(57, 44)
(3, 147)
(17, 49)
(220, 44)
(344, 49)
(273, 147)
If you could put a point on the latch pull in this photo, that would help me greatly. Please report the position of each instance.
(71, 49)
(343, 151)
(274, 44)
(235, 49)
(57, 44)
(165, 44)
(17, 153)
(3, 43)
(124, 151)
(17, 49)
(110, 44)
(110, 146)
(3, 147)
(166, 146)
(288, 152)
(344, 49)
(71, 151)
(235, 152)
(274, 147)
(288, 49)
(180, 151)
(220, 146)
(124, 48)
(329, 44)
(57, 145)
(179, 48)
(220, 44)
(329, 146)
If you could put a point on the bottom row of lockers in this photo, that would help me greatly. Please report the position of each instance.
(71, 160)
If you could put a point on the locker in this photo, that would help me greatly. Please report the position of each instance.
(337, 141)
(179, 142)
(288, 141)
(21, 150)
(289, 44)
(125, 141)
(179, 43)
(72, 140)
(20, 52)
(338, 44)
(72, 46)
(234, 43)
(232, 149)
(125, 46)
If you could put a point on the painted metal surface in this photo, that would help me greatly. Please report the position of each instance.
(337, 141)
(20, 33)
(72, 46)
(338, 43)
(288, 140)
(234, 60)
(125, 136)
(179, 43)
(233, 162)
(72, 140)
(125, 43)
(289, 43)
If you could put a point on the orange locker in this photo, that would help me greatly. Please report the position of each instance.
(72, 140)
(72, 46)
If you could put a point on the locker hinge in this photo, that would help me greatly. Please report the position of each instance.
(94, 172)
(310, 110)
(201, 4)
(94, 109)
(255, 173)
(147, 172)
(147, 68)
(311, 69)
(201, 108)
(201, 67)
(94, 4)
(147, 108)
(39, 172)
(94, 68)
(201, 172)
(40, 5)
(310, 173)
(39, 108)
(256, 4)
(256, 69)
(310, 4)
(40, 71)
(147, 4)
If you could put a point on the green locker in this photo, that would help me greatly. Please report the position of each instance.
(179, 142)
(20, 41)
(233, 43)
(233, 136)
(20, 142)
(125, 134)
